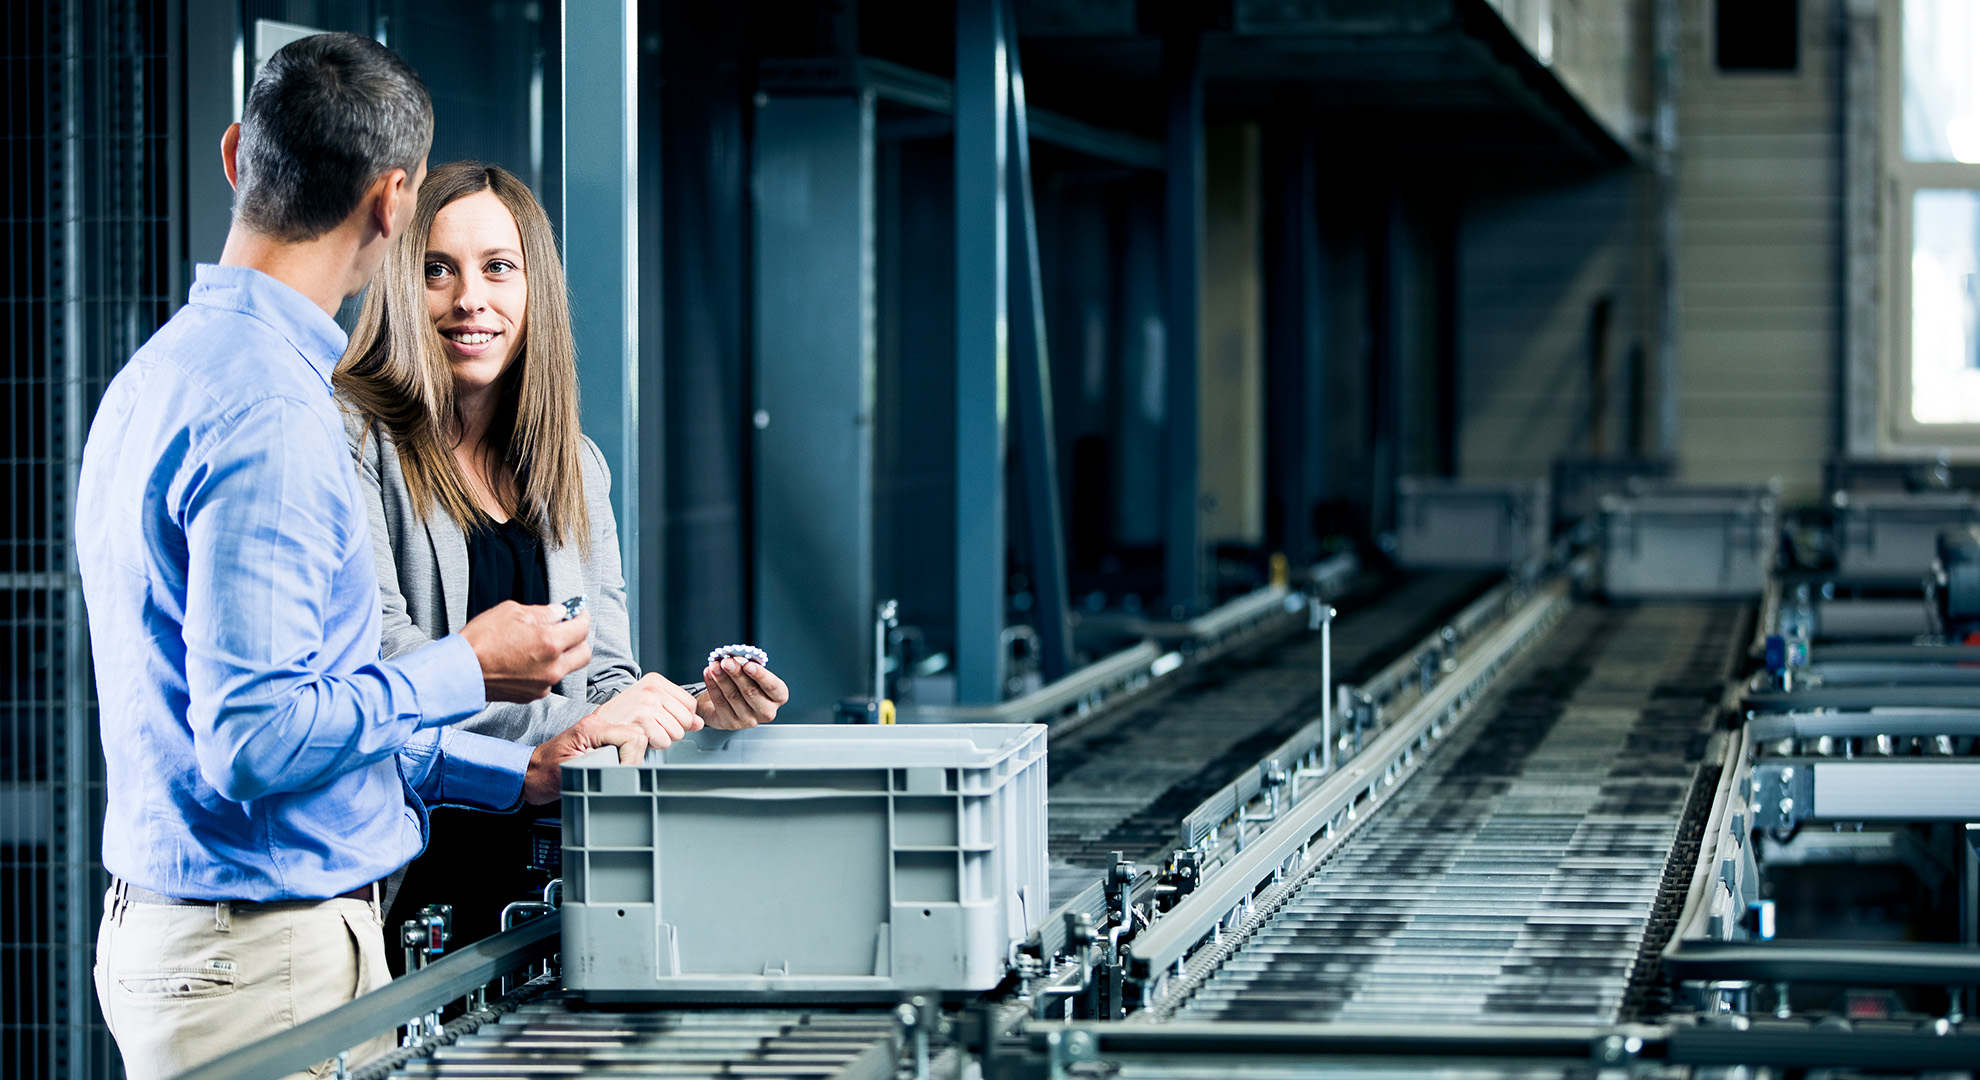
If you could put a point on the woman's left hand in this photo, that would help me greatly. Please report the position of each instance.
(741, 694)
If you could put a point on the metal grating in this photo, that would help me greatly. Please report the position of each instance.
(89, 276)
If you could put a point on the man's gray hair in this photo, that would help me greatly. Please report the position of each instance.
(328, 115)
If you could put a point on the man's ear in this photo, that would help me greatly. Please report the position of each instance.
(387, 194)
(230, 146)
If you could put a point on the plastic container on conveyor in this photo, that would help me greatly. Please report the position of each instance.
(1957, 581)
(804, 862)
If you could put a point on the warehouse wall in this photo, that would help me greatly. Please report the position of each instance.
(1759, 190)
(1552, 324)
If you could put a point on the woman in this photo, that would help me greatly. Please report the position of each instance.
(460, 393)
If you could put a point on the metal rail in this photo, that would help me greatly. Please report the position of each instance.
(424, 991)
(1850, 963)
(1867, 724)
(1306, 757)
(1858, 698)
(1761, 1042)
(1306, 832)
(1127, 669)
(1130, 669)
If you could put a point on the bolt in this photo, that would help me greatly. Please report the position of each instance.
(1081, 1044)
(1787, 808)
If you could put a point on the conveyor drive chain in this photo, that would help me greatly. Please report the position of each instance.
(1514, 880)
(1124, 783)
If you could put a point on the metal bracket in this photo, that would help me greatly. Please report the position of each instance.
(1782, 795)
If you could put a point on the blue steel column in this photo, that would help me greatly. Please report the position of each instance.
(601, 250)
(1182, 62)
(1296, 373)
(982, 335)
(1031, 390)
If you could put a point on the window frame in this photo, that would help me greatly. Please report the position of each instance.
(1900, 180)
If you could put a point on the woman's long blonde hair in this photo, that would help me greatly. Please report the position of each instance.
(396, 372)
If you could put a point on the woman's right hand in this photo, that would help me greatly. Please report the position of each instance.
(659, 708)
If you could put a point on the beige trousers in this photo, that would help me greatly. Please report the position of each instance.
(181, 986)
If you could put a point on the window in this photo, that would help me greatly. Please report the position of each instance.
(1931, 156)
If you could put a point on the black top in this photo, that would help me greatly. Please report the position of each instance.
(476, 861)
(505, 562)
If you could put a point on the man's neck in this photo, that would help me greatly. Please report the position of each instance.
(321, 269)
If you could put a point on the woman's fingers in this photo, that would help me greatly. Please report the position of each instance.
(758, 691)
(720, 681)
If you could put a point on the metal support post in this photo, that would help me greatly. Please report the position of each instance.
(1031, 390)
(601, 258)
(1967, 998)
(1326, 615)
(982, 342)
(1182, 63)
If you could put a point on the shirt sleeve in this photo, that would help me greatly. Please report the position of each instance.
(451, 767)
(273, 530)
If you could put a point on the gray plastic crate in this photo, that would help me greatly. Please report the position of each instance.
(1471, 524)
(1892, 535)
(1669, 544)
(805, 862)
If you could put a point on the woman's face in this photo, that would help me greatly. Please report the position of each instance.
(476, 287)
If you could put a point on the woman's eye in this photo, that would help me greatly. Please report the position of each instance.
(501, 266)
(435, 271)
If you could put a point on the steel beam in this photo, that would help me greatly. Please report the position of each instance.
(1031, 388)
(1295, 359)
(982, 91)
(1182, 564)
(813, 393)
(601, 255)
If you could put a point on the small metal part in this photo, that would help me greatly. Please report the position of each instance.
(740, 652)
(574, 607)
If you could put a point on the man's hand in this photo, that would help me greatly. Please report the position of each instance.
(741, 694)
(544, 782)
(524, 651)
(661, 709)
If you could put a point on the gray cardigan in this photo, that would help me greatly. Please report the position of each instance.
(423, 584)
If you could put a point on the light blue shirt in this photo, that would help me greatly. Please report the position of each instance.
(256, 746)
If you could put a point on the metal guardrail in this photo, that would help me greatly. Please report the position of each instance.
(384, 1009)
(1306, 832)
(1129, 669)
(1125, 669)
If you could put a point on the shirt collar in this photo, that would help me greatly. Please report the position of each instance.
(315, 335)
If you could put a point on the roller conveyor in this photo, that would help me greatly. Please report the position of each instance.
(1482, 885)
(1124, 783)
(1514, 881)
(547, 1039)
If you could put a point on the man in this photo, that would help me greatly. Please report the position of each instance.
(265, 768)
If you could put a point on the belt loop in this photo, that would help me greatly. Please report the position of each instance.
(223, 921)
(377, 907)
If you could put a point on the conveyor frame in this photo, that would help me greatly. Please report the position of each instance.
(1305, 834)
